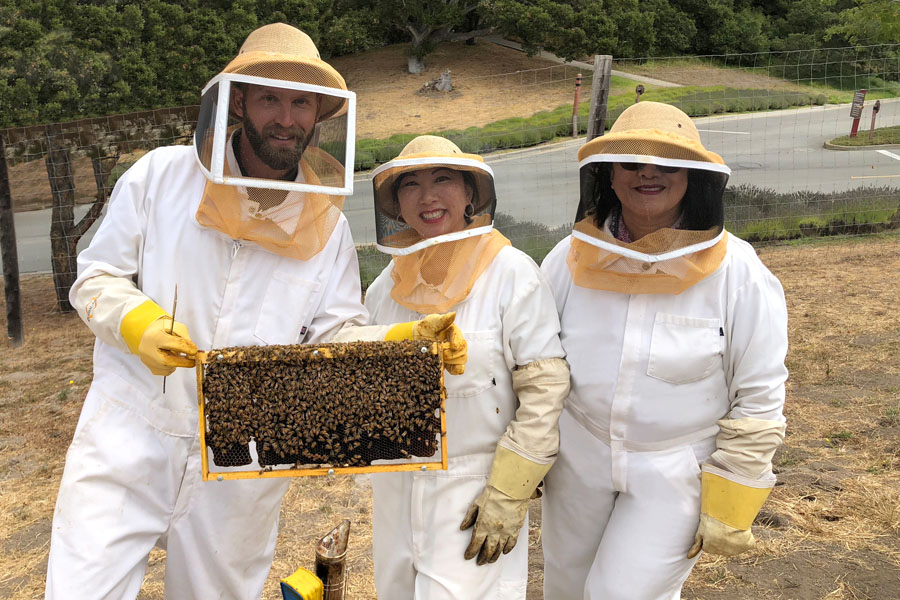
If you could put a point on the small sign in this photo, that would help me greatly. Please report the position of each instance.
(856, 108)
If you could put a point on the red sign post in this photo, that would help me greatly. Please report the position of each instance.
(856, 108)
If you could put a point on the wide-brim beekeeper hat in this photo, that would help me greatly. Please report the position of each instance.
(658, 132)
(280, 51)
(430, 151)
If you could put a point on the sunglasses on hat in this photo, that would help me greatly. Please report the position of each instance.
(629, 166)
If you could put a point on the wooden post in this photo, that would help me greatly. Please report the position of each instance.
(331, 561)
(575, 105)
(875, 110)
(14, 329)
(599, 95)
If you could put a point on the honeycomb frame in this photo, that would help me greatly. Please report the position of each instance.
(262, 360)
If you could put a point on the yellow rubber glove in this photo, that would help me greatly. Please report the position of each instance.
(498, 514)
(436, 328)
(145, 330)
(727, 510)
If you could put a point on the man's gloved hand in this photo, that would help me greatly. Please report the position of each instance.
(436, 328)
(499, 512)
(727, 510)
(162, 351)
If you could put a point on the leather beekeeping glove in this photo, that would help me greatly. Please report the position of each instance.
(727, 510)
(735, 483)
(436, 328)
(499, 512)
(146, 332)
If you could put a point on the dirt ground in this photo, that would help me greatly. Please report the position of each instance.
(831, 528)
(690, 72)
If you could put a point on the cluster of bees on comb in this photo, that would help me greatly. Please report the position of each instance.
(338, 405)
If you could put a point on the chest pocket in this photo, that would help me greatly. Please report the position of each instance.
(482, 365)
(286, 309)
(685, 349)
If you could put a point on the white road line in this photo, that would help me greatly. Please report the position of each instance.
(889, 154)
(723, 131)
(872, 176)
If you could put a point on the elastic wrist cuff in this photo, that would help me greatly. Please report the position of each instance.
(135, 323)
(400, 331)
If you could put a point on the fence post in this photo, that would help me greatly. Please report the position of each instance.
(14, 329)
(875, 110)
(575, 105)
(599, 95)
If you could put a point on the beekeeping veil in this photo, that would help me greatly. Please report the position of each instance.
(434, 274)
(670, 259)
(295, 112)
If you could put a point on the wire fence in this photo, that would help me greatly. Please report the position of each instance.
(782, 122)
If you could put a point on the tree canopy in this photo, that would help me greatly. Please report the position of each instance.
(68, 59)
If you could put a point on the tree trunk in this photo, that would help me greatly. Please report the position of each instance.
(415, 65)
(62, 188)
(14, 329)
(419, 48)
(64, 232)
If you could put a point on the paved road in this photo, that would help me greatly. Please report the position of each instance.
(780, 150)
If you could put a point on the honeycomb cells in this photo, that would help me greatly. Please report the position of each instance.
(335, 405)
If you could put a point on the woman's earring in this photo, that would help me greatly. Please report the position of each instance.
(470, 210)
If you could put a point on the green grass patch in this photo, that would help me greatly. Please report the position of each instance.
(882, 135)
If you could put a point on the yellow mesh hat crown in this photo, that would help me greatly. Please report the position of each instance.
(431, 151)
(652, 129)
(280, 51)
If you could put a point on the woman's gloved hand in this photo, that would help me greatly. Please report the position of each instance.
(162, 352)
(497, 519)
(727, 510)
(498, 514)
(436, 328)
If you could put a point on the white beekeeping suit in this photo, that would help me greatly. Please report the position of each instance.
(262, 261)
(501, 412)
(676, 335)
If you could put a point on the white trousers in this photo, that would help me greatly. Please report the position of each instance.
(128, 486)
(601, 543)
(418, 546)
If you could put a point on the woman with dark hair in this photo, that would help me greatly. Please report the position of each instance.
(676, 335)
(460, 534)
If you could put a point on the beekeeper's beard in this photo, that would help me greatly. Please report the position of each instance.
(273, 156)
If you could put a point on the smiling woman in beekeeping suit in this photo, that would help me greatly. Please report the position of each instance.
(459, 534)
(676, 334)
(247, 226)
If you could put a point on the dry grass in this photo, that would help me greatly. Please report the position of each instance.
(830, 530)
(696, 72)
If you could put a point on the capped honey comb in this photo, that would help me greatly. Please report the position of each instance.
(330, 406)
